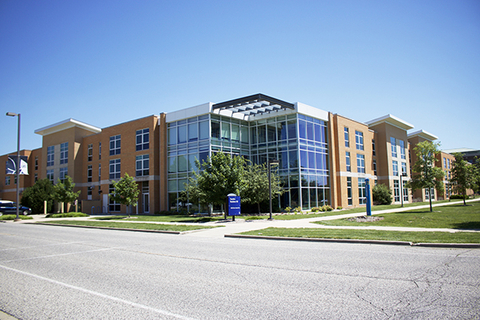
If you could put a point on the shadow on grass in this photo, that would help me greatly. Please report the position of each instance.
(471, 225)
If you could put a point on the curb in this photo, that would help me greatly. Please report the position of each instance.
(384, 242)
(107, 228)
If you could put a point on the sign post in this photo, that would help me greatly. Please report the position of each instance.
(367, 191)
(233, 205)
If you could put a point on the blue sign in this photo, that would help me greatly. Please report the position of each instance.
(369, 204)
(233, 205)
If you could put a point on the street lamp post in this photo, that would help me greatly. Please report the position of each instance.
(403, 174)
(270, 163)
(11, 114)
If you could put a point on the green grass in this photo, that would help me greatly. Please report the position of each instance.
(165, 218)
(126, 225)
(456, 216)
(415, 237)
(14, 216)
(67, 215)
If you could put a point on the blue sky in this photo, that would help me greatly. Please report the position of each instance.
(107, 62)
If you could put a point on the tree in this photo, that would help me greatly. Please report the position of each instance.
(126, 191)
(476, 175)
(425, 174)
(220, 175)
(34, 196)
(256, 187)
(64, 191)
(463, 176)
(382, 194)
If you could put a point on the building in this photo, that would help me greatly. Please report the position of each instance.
(324, 158)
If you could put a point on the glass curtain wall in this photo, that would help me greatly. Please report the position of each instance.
(298, 142)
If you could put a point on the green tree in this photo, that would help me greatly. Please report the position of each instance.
(220, 175)
(34, 196)
(64, 191)
(256, 185)
(382, 194)
(126, 191)
(476, 175)
(425, 174)
(463, 176)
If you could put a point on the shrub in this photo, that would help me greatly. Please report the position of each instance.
(458, 196)
(298, 209)
(288, 209)
(315, 209)
(34, 196)
(339, 208)
(327, 208)
(382, 194)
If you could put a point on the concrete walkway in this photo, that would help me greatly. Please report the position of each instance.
(228, 227)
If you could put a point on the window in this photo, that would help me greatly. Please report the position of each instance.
(115, 169)
(393, 145)
(99, 173)
(115, 145)
(349, 191)
(35, 177)
(360, 163)
(50, 175)
(404, 168)
(193, 131)
(395, 168)
(36, 163)
(63, 174)
(448, 161)
(89, 173)
(401, 143)
(112, 205)
(373, 148)
(64, 153)
(347, 161)
(7, 180)
(90, 152)
(396, 190)
(142, 165)
(50, 156)
(361, 191)
(359, 140)
(374, 167)
(405, 191)
(427, 194)
(99, 151)
(143, 139)
(347, 138)
(444, 162)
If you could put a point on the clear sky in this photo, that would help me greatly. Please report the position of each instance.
(107, 62)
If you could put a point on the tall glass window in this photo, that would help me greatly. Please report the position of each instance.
(142, 165)
(89, 173)
(115, 145)
(393, 145)
(395, 168)
(362, 199)
(349, 191)
(347, 160)
(142, 139)
(360, 163)
(396, 190)
(90, 152)
(347, 137)
(115, 169)
(359, 140)
(50, 155)
(401, 143)
(64, 153)
(63, 174)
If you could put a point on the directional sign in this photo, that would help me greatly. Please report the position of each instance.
(233, 205)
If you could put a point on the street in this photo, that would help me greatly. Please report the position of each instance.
(51, 272)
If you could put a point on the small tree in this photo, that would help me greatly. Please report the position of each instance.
(463, 176)
(64, 191)
(34, 196)
(382, 194)
(256, 185)
(425, 174)
(220, 175)
(126, 191)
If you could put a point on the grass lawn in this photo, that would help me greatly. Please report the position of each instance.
(415, 237)
(456, 216)
(126, 225)
(162, 218)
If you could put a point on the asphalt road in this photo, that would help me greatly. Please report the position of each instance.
(52, 272)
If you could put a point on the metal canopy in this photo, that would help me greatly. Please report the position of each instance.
(253, 105)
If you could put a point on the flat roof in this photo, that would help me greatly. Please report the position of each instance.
(390, 119)
(66, 124)
(423, 134)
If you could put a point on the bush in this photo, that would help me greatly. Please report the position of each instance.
(382, 194)
(315, 209)
(298, 209)
(339, 208)
(327, 208)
